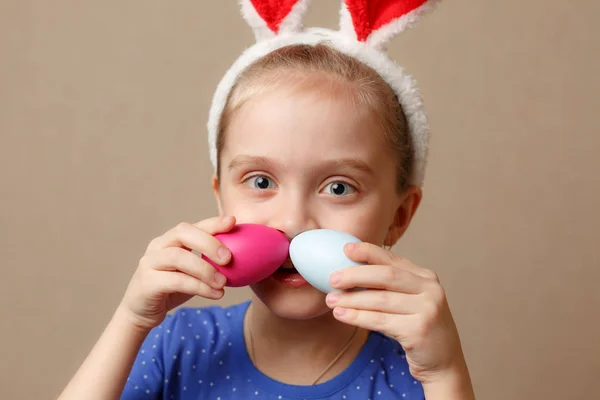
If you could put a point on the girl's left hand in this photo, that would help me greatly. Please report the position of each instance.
(403, 301)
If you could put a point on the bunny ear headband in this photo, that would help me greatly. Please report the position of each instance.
(365, 29)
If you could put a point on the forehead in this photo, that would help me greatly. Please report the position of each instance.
(301, 128)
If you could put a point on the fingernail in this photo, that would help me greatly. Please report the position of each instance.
(335, 278)
(332, 299)
(217, 292)
(339, 311)
(227, 220)
(220, 279)
(223, 253)
(350, 246)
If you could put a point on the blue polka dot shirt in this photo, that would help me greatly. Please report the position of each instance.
(200, 354)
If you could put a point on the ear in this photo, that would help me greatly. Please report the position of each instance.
(269, 18)
(404, 213)
(377, 22)
(216, 186)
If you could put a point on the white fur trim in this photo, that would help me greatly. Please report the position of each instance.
(402, 84)
(258, 25)
(346, 25)
(291, 23)
(381, 36)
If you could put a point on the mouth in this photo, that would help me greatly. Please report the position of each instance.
(288, 275)
(287, 268)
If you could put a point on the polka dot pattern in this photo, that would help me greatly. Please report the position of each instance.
(200, 353)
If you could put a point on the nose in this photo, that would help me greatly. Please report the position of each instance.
(293, 215)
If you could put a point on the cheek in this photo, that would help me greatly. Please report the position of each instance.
(243, 208)
(372, 227)
(367, 222)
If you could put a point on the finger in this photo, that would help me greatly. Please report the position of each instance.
(416, 269)
(216, 224)
(385, 277)
(371, 254)
(173, 282)
(177, 259)
(373, 320)
(376, 300)
(191, 237)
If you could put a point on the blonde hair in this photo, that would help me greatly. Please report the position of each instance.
(305, 67)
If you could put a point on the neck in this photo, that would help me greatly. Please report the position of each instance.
(307, 345)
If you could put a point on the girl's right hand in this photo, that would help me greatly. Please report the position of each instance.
(169, 273)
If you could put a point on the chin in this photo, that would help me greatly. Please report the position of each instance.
(304, 302)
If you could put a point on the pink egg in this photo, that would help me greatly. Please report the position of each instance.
(257, 251)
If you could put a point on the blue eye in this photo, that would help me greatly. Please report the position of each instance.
(260, 182)
(339, 189)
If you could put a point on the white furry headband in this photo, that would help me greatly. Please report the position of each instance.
(365, 29)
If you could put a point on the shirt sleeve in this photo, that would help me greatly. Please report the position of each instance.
(146, 378)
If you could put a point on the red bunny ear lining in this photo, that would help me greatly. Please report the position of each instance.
(369, 16)
(273, 12)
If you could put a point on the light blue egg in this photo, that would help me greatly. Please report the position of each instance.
(318, 253)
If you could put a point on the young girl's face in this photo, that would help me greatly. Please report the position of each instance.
(304, 161)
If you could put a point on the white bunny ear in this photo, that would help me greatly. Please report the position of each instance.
(269, 18)
(377, 21)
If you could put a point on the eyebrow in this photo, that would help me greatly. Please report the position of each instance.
(352, 163)
(245, 161)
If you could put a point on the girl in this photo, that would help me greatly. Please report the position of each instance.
(307, 130)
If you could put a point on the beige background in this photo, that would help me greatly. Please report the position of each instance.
(102, 147)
